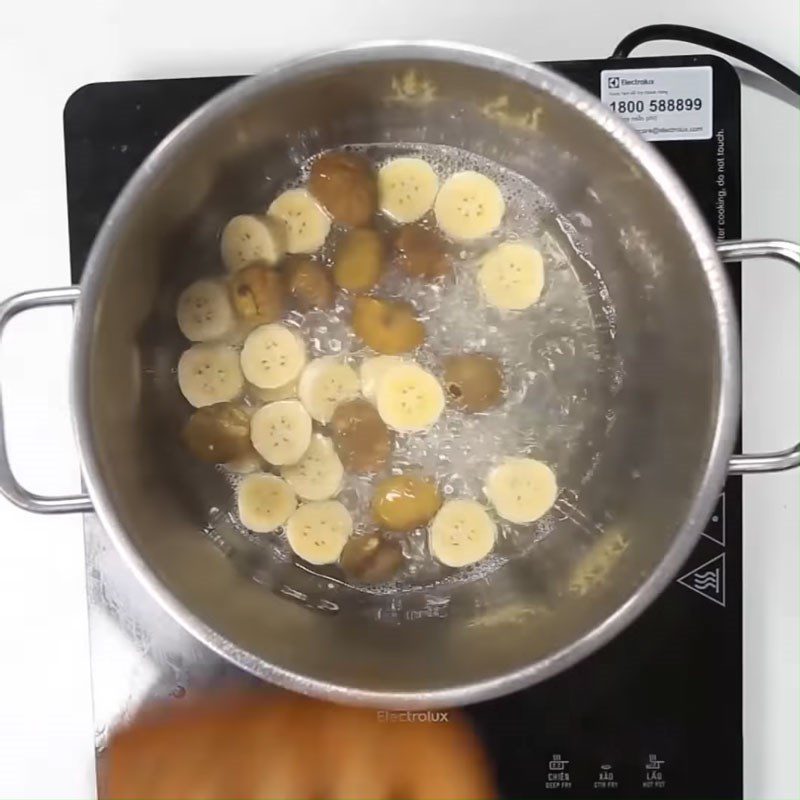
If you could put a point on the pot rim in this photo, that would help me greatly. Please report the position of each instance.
(648, 160)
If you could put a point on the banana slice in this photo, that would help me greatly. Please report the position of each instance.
(406, 189)
(285, 392)
(248, 238)
(461, 533)
(469, 206)
(512, 275)
(210, 373)
(318, 474)
(306, 224)
(317, 532)
(325, 383)
(521, 489)
(272, 356)
(265, 502)
(205, 312)
(372, 372)
(409, 398)
(281, 432)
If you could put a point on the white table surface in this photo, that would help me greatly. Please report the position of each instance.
(49, 49)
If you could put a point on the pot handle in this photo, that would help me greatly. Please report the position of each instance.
(9, 485)
(785, 251)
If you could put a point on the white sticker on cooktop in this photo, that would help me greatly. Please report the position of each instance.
(664, 103)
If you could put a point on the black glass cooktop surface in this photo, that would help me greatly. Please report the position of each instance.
(658, 711)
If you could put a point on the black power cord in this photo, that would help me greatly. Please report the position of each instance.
(712, 41)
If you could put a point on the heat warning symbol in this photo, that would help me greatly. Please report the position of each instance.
(708, 580)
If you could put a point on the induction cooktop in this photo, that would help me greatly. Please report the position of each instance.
(655, 713)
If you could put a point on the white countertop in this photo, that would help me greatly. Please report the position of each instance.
(47, 50)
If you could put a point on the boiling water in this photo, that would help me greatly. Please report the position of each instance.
(553, 356)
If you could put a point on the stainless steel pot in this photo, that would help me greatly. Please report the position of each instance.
(626, 521)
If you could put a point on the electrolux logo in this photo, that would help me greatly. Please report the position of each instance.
(615, 82)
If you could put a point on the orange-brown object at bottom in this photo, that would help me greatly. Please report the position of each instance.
(287, 747)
